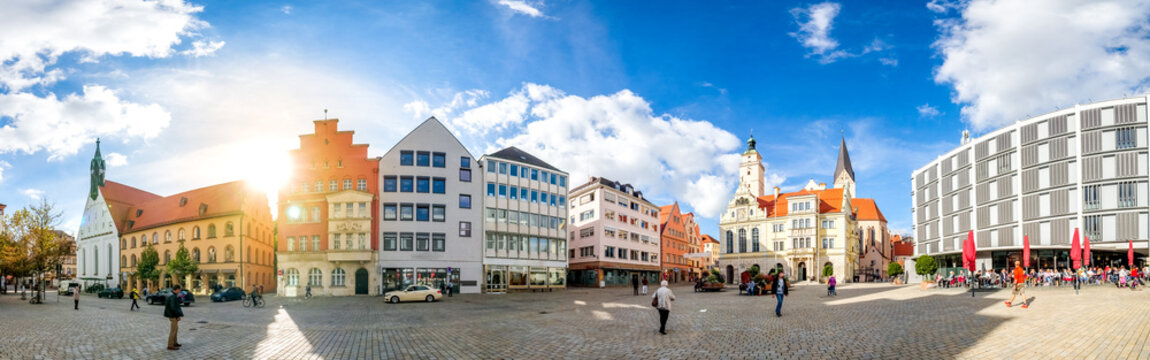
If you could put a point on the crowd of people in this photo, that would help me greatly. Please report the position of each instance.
(1118, 276)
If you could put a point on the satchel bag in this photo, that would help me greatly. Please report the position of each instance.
(655, 301)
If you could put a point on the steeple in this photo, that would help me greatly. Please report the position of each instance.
(751, 172)
(97, 173)
(844, 173)
(751, 142)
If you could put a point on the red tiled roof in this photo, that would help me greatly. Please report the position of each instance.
(219, 199)
(903, 248)
(830, 201)
(708, 238)
(867, 209)
(665, 213)
(121, 198)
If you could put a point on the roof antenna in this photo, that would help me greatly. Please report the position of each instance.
(325, 114)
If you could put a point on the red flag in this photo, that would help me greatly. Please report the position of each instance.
(1086, 251)
(969, 252)
(1076, 251)
(1130, 253)
(1026, 252)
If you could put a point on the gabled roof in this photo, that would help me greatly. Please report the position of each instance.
(708, 238)
(868, 210)
(218, 199)
(830, 201)
(121, 198)
(844, 163)
(515, 154)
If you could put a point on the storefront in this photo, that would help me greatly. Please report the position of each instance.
(500, 278)
(436, 278)
(612, 277)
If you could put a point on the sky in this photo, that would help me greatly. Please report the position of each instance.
(662, 95)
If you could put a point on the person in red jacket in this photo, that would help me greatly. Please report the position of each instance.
(1019, 284)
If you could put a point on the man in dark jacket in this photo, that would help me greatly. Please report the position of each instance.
(635, 283)
(780, 281)
(173, 312)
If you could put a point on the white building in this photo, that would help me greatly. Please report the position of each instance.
(525, 205)
(1084, 167)
(432, 212)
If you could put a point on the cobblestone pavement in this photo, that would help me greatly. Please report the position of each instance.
(865, 321)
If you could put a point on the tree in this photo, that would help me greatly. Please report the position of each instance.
(754, 270)
(30, 245)
(925, 265)
(828, 270)
(182, 264)
(894, 269)
(146, 268)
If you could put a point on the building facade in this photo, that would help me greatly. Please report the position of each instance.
(694, 257)
(327, 216)
(226, 229)
(614, 233)
(801, 232)
(525, 205)
(674, 243)
(1041, 178)
(431, 211)
(711, 252)
(874, 241)
(68, 263)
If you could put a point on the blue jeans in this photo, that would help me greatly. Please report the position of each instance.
(779, 304)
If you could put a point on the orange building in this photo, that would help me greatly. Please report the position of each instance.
(226, 228)
(673, 239)
(326, 211)
(696, 259)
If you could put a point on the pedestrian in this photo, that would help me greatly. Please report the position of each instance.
(173, 312)
(449, 286)
(76, 300)
(780, 282)
(635, 284)
(1133, 278)
(135, 295)
(1019, 280)
(662, 299)
(831, 286)
(645, 286)
(145, 290)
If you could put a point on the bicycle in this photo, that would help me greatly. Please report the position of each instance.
(35, 299)
(259, 302)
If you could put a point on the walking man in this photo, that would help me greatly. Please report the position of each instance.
(1019, 282)
(76, 299)
(663, 298)
(173, 312)
(635, 284)
(779, 287)
(135, 295)
(645, 286)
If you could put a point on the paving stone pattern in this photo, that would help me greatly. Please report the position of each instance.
(866, 321)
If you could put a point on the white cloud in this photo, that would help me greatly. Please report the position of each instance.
(116, 159)
(35, 194)
(3, 165)
(1004, 67)
(944, 6)
(617, 136)
(286, 9)
(892, 62)
(204, 48)
(33, 34)
(926, 111)
(62, 125)
(522, 7)
(722, 91)
(814, 33)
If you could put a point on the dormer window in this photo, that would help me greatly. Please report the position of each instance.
(203, 209)
(139, 212)
(183, 201)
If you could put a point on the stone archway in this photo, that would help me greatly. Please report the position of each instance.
(802, 272)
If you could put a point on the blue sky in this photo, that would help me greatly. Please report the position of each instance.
(661, 95)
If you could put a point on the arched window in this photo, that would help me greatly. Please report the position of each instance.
(195, 233)
(133, 242)
(755, 240)
(730, 241)
(292, 277)
(211, 231)
(110, 259)
(124, 243)
(181, 235)
(167, 256)
(196, 255)
(229, 254)
(123, 260)
(155, 238)
(212, 254)
(315, 277)
(83, 270)
(229, 229)
(133, 260)
(338, 277)
(742, 240)
(167, 236)
(249, 254)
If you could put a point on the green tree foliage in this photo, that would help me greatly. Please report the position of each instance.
(828, 270)
(894, 269)
(28, 242)
(182, 265)
(753, 271)
(925, 265)
(146, 268)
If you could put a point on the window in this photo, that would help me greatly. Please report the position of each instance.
(464, 201)
(828, 243)
(438, 160)
(828, 224)
(554, 179)
(543, 197)
(439, 185)
(502, 190)
(406, 241)
(755, 240)
(439, 213)
(491, 166)
(1091, 198)
(609, 251)
(361, 184)
(314, 214)
(422, 212)
(303, 243)
(439, 242)
(730, 241)
(490, 189)
(195, 234)
(389, 183)
(1125, 138)
(390, 211)
(292, 277)
(514, 193)
(523, 194)
(338, 277)
(534, 196)
(229, 254)
(584, 216)
(406, 184)
(622, 253)
(742, 240)
(332, 185)
(422, 158)
(167, 236)
(211, 231)
(362, 241)
(303, 188)
(534, 174)
(212, 254)
(362, 210)
(389, 241)
(421, 241)
(464, 162)
(587, 232)
(465, 175)
(502, 168)
(423, 184)
(514, 169)
(1127, 194)
(315, 277)
(347, 184)
(465, 229)
(552, 199)
(562, 201)
(290, 243)
(406, 212)
(335, 241)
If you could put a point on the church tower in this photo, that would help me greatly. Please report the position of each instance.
(751, 172)
(844, 173)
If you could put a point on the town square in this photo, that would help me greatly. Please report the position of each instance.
(537, 179)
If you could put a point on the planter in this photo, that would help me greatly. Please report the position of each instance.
(927, 284)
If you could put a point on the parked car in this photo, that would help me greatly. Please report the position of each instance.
(159, 297)
(229, 294)
(414, 293)
(71, 287)
(111, 293)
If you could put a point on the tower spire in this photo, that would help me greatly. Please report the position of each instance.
(844, 172)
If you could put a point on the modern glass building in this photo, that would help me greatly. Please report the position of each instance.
(1083, 168)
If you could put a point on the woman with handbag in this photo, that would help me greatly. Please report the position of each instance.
(662, 301)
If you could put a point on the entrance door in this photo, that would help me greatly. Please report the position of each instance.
(802, 271)
(361, 281)
(730, 274)
(496, 279)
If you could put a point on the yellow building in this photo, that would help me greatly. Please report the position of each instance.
(227, 229)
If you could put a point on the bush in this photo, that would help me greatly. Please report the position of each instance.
(754, 271)
(894, 269)
(828, 270)
(925, 265)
